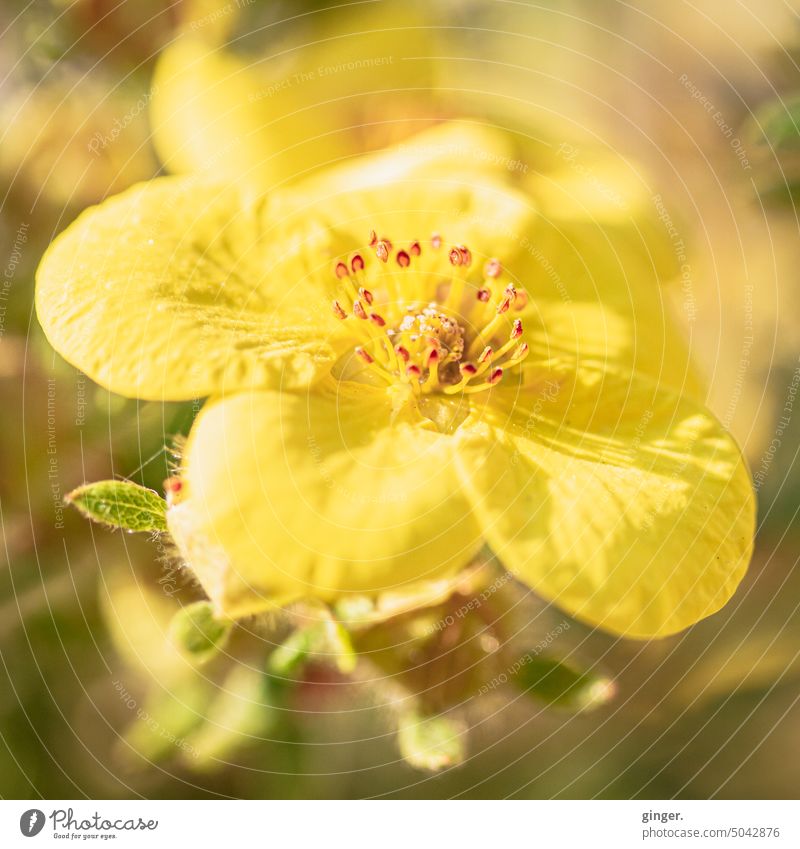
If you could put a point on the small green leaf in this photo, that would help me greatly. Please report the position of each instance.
(198, 632)
(431, 743)
(561, 684)
(121, 504)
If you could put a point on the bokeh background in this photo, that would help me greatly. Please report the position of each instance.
(705, 96)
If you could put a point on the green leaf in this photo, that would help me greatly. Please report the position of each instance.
(560, 684)
(121, 504)
(198, 632)
(431, 743)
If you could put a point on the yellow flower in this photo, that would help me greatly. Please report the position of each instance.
(393, 383)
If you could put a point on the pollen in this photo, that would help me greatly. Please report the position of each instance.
(431, 319)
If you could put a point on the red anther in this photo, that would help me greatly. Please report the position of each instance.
(436, 241)
(366, 295)
(358, 310)
(466, 255)
(377, 319)
(414, 249)
(433, 357)
(493, 269)
(172, 486)
(504, 305)
(413, 371)
(357, 263)
(516, 329)
(363, 355)
(521, 352)
(521, 301)
(341, 270)
(486, 354)
(373, 238)
(468, 369)
(403, 259)
(382, 250)
(456, 257)
(483, 295)
(338, 311)
(402, 353)
(496, 376)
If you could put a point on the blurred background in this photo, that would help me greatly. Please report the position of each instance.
(705, 98)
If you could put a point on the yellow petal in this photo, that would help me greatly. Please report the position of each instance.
(289, 495)
(211, 114)
(322, 93)
(601, 216)
(622, 503)
(175, 289)
(634, 341)
(603, 237)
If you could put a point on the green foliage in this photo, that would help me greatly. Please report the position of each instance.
(121, 504)
(198, 632)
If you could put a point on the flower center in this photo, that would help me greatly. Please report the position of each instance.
(430, 321)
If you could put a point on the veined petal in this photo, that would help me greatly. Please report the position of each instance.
(623, 503)
(287, 495)
(177, 289)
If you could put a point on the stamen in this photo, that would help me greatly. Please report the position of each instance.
(172, 489)
(521, 352)
(493, 269)
(420, 324)
(495, 378)
(509, 297)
